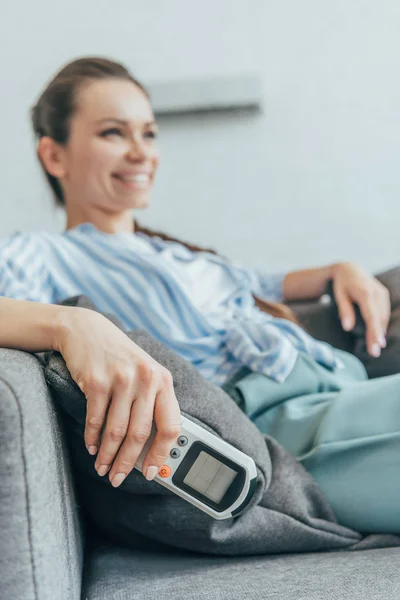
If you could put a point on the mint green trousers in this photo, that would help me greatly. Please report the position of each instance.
(343, 427)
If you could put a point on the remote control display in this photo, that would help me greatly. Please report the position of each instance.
(210, 477)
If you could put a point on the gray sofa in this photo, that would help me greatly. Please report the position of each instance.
(48, 551)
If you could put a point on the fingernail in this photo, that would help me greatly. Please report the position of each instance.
(92, 449)
(382, 341)
(118, 479)
(151, 472)
(347, 324)
(376, 351)
(102, 470)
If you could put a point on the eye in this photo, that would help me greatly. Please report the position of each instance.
(151, 134)
(112, 131)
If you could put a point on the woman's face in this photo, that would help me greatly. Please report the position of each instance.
(111, 156)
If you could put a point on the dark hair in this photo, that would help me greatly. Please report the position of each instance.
(52, 113)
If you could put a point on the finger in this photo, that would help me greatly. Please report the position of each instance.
(97, 396)
(167, 417)
(385, 310)
(346, 310)
(382, 305)
(116, 428)
(138, 432)
(370, 314)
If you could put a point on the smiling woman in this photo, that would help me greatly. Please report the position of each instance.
(96, 132)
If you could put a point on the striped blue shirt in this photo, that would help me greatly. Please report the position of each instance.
(199, 305)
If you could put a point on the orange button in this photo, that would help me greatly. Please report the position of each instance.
(165, 471)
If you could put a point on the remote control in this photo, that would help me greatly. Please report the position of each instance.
(206, 471)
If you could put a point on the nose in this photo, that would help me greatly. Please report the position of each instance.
(137, 150)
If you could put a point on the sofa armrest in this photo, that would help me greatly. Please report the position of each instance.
(321, 319)
(41, 542)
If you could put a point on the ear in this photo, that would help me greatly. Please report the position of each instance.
(52, 156)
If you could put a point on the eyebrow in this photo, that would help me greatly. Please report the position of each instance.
(122, 121)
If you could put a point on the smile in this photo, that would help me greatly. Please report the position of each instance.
(139, 178)
(139, 181)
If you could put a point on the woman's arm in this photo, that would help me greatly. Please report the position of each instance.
(30, 326)
(123, 385)
(308, 283)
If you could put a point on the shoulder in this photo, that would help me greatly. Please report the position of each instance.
(24, 272)
(17, 239)
(20, 244)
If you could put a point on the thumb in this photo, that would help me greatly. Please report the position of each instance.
(347, 313)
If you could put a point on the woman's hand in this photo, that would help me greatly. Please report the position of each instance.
(351, 284)
(125, 389)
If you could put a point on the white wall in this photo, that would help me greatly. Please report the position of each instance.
(312, 179)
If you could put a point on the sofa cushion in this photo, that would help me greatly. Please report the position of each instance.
(136, 575)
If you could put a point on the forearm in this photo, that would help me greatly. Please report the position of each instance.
(308, 283)
(30, 326)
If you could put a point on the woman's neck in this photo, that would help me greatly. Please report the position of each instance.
(120, 223)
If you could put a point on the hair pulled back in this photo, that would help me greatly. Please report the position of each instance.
(51, 116)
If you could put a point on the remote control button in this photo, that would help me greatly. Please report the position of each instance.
(175, 453)
(182, 440)
(165, 471)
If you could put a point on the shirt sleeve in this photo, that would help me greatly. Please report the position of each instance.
(268, 286)
(23, 273)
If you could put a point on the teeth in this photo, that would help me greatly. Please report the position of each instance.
(140, 178)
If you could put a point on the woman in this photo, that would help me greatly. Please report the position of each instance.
(96, 143)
